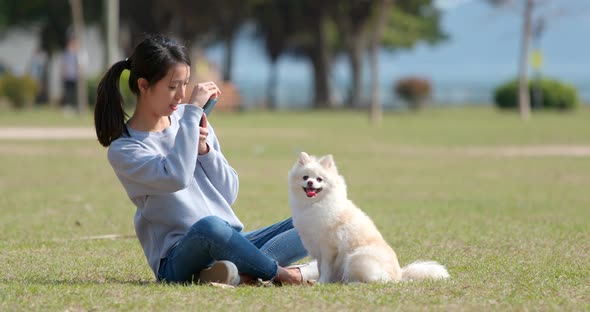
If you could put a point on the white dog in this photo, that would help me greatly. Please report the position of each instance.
(344, 241)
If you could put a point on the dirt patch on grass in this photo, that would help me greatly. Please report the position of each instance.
(491, 151)
(23, 134)
(7, 149)
(530, 151)
(17, 133)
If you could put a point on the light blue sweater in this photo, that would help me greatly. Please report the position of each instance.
(170, 184)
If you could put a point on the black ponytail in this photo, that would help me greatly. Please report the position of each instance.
(109, 111)
(151, 60)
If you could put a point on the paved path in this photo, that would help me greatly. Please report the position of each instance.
(50, 133)
(17, 133)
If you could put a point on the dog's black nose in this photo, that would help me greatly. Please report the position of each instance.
(309, 183)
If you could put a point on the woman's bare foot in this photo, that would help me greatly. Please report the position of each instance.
(290, 276)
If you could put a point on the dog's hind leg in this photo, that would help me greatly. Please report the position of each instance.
(364, 268)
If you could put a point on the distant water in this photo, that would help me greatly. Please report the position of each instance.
(481, 53)
(454, 82)
(458, 77)
(297, 92)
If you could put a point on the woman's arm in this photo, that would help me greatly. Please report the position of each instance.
(223, 177)
(152, 171)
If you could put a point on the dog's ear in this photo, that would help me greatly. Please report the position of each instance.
(327, 162)
(304, 158)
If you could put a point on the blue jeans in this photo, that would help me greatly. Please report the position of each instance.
(256, 253)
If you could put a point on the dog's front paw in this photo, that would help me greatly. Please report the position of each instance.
(323, 280)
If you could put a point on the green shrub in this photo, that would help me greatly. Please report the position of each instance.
(415, 91)
(20, 91)
(554, 95)
(128, 96)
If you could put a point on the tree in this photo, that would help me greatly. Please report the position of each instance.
(400, 25)
(145, 17)
(406, 23)
(111, 30)
(228, 17)
(314, 39)
(524, 102)
(411, 22)
(535, 14)
(275, 25)
(79, 29)
(204, 22)
(48, 18)
(323, 28)
(308, 33)
(375, 110)
(321, 57)
(352, 18)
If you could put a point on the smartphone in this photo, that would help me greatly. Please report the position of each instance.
(208, 107)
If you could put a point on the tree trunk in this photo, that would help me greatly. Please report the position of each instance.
(375, 110)
(356, 69)
(111, 21)
(43, 96)
(78, 19)
(271, 87)
(229, 53)
(524, 102)
(321, 66)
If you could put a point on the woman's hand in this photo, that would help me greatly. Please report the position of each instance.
(202, 92)
(203, 133)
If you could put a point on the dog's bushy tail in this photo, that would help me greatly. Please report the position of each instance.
(423, 270)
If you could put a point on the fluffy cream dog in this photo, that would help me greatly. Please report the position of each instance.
(344, 241)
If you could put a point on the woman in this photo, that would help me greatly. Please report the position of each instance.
(169, 161)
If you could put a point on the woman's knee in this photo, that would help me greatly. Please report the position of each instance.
(212, 226)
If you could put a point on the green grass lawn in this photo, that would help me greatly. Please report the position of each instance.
(512, 228)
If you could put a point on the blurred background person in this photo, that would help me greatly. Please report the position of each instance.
(69, 74)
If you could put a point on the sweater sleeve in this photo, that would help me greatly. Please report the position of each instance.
(223, 177)
(155, 173)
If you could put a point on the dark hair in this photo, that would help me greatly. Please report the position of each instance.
(151, 60)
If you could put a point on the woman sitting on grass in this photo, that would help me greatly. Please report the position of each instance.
(169, 161)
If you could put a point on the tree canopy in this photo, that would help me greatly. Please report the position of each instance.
(313, 30)
(52, 18)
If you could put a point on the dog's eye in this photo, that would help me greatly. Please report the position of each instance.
(305, 177)
(319, 179)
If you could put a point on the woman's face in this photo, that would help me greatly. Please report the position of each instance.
(163, 97)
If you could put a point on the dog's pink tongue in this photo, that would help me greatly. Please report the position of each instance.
(311, 193)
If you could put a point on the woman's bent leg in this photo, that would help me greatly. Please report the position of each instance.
(280, 242)
(211, 239)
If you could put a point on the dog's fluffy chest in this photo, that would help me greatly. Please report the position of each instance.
(320, 216)
(323, 225)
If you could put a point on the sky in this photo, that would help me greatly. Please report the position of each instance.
(486, 42)
(482, 51)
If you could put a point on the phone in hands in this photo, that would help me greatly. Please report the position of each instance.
(208, 107)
